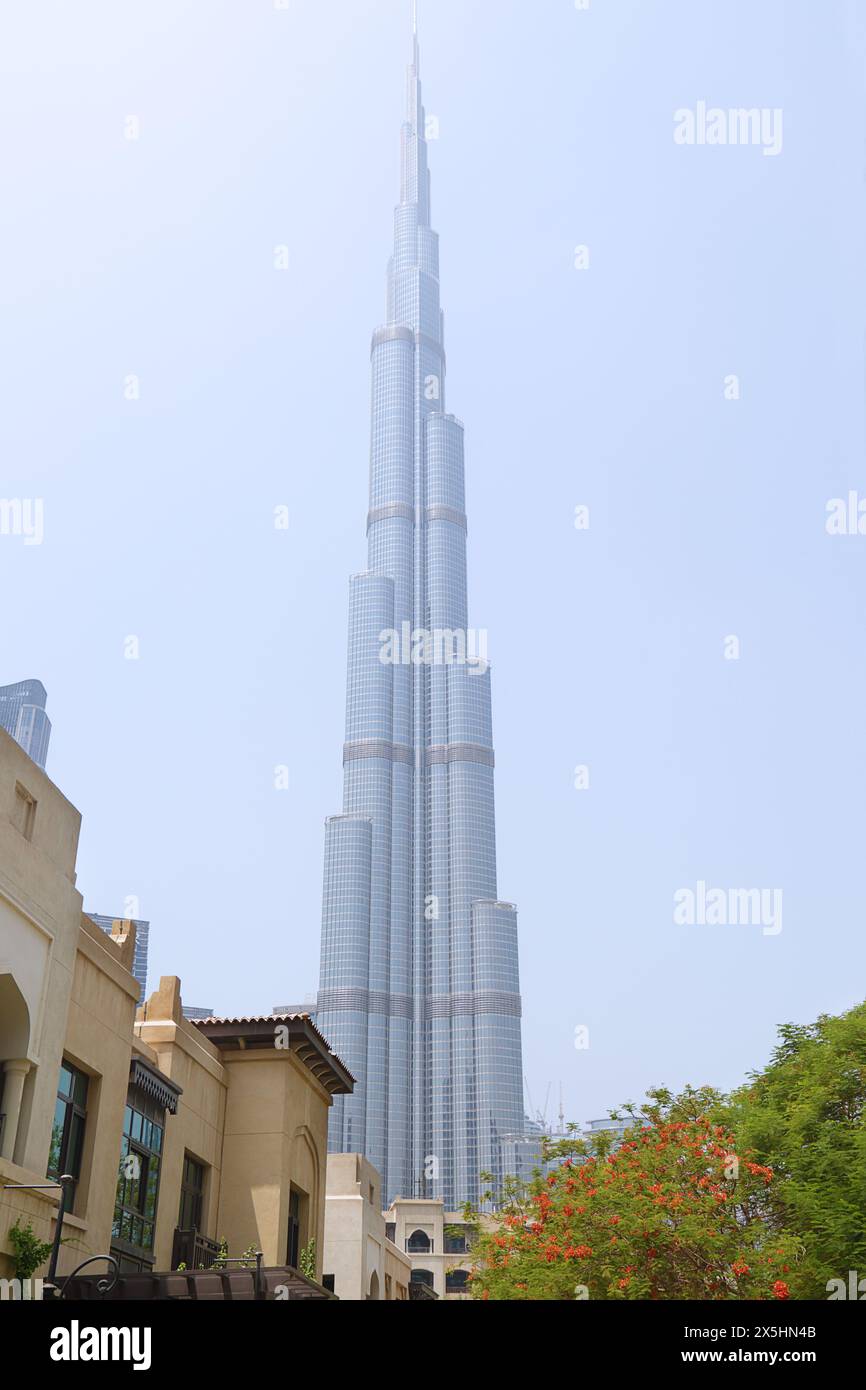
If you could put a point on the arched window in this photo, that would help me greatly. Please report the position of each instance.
(422, 1276)
(374, 1287)
(419, 1243)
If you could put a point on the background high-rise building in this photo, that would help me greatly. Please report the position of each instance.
(310, 1007)
(22, 714)
(142, 934)
(419, 989)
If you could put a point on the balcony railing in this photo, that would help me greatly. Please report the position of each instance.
(194, 1250)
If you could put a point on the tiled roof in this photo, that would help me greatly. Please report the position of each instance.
(221, 1030)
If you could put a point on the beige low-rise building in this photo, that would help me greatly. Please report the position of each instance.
(360, 1262)
(67, 1008)
(249, 1144)
(437, 1243)
(178, 1134)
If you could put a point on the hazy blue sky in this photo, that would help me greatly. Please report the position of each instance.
(261, 127)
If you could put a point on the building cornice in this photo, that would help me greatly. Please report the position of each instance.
(306, 1043)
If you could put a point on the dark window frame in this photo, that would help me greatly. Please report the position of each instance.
(293, 1247)
(191, 1209)
(136, 1202)
(456, 1242)
(69, 1144)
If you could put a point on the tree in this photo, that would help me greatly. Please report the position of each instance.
(804, 1117)
(30, 1252)
(674, 1211)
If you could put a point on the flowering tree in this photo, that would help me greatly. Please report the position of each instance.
(671, 1212)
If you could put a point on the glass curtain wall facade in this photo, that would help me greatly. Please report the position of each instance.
(22, 714)
(419, 990)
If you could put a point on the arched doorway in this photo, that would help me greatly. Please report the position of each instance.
(14, 1020)
(14, 1065)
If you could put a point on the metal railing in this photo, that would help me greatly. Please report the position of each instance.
(192, 1249)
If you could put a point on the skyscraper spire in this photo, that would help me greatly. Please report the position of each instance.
(419, 989)
(416, 57)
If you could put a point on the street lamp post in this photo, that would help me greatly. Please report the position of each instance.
(66, 1184)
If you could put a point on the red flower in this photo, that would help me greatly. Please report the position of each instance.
(780, 1289)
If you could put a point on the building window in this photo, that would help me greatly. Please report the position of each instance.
(419, 1243)
(422, 1276)
(24, 815)
(191, 1195)
(294, 1249)
(138, 1177)
(70, 1116)
(298, 1222)
(457, 1281)
(456, 1241)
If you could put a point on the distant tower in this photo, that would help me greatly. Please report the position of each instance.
(419, 990)
(22, 714)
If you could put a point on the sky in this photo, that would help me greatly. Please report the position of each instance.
(166, 387)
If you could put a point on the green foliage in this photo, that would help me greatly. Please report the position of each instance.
(757, 1195)
(30, 1252)
(220, 1260)
(804, 1116)
(670, 1211)
(307, 1260)
(247, 1259)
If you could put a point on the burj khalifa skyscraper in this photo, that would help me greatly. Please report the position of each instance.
(419, 990)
